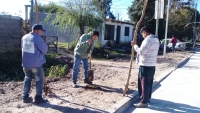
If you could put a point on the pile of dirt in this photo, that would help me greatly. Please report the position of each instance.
(110, 77)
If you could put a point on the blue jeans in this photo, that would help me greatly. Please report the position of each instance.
(38, 73)
(173, 47)
(77, 61)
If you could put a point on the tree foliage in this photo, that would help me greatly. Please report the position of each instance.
(135, 11)
(181, 12)
(4, 13)
(103, 7)
(178, 20)
(48, 8)
(76, 13)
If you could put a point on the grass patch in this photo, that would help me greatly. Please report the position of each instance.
(57, 71)
(63, 45)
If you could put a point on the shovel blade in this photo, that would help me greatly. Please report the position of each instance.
(90, 75)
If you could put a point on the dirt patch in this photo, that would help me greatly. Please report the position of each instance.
(110, 77)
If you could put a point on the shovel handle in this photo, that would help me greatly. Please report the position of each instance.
(90, 62)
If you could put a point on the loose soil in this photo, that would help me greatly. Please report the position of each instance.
(110, 77)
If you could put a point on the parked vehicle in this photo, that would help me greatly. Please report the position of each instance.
(161, 47)
(179, 45)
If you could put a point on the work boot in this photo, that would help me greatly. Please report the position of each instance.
(28, 100)
(87, 82)
(74, 85)
(141, 105)
(39, 99)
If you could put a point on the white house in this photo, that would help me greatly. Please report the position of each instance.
(118, 31)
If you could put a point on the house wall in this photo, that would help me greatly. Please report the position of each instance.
(123, 38)
(65, 35)
(10, 31)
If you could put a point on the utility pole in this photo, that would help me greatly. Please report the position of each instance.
(157, 16)
(31, 13)
(118, 16)
(26, 13)
(194, 32)
(166, 30)
(36, 12)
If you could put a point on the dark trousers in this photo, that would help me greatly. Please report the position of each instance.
(173, 47)
(145, 82)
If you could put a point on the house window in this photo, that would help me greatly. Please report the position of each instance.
(126, 32)
(109, 32)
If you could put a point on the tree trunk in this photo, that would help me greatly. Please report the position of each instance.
(81, 29)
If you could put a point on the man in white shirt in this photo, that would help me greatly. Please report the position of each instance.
(146, 59)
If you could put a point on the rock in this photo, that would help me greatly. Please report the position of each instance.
(19, 106)
(2, 91)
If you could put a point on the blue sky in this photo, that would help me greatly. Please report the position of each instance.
(120, 7)
(16, 7)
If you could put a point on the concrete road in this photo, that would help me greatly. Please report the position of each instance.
(178, 93)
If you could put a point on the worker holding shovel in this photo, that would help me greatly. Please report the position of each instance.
(82, 51)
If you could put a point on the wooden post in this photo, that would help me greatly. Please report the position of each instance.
(135, 40)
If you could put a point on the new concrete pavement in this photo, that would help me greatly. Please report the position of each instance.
(178, 93)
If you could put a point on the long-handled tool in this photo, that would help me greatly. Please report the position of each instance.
(134, 40)
(47, 89)
(90, 71)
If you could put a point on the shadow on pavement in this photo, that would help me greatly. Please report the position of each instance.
(172, 107)
(167, 106)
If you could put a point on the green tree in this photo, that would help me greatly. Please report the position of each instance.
(48, 8)
(135, 11)
(103, 7)
(178, 20)
(77, 13)
(181, 13)
(4, 13)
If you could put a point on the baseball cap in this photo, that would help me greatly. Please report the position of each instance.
(37, 27)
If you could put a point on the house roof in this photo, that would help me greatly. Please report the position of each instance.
(117, 21)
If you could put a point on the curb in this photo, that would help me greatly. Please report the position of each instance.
(130, 99)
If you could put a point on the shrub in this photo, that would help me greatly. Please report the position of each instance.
(57, 71)
(11, 69)
(97, 45)
(73, 45)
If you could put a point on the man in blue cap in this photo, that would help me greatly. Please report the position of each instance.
(33, 50)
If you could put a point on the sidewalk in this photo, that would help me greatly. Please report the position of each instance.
(178, 93)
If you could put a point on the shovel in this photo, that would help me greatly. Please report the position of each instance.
(90, 72)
